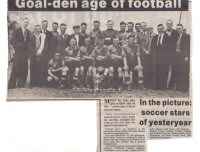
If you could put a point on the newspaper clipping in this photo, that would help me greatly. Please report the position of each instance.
(133, 56)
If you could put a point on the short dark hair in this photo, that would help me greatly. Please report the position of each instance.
(138, 24)
(100, 37)
(37, 26)
(96, 22)
(122, 23)
(84, 24)
(63, 24)
(179, 24)
(55, 23)
(44, 21)
(130, 23)
(110, 21)
(160, 25)
(131, 36)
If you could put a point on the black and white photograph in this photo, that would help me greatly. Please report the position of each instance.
(87, 55)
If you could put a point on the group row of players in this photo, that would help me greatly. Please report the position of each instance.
(103, 59)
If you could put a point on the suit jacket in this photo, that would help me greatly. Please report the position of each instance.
(49, 36)
(185, 45)
(146, 43)
(81, 40)
(18, 42)
(172, 41)
(159, 53)
(32, 47)
(61, 43)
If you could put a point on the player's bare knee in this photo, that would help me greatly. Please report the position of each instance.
(120, 72)
(82, 69)
(49, 78)
(64, 71)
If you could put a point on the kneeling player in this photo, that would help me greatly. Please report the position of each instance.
(86, 64)
(100, 71)
(133, 69)
(117, 61)
(72, 63)
(55, 69)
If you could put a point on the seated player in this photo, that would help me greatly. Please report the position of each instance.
(86, 61)
(133, 69)
(72, 62)
(55, 70)
(100, 71)
(117, 60)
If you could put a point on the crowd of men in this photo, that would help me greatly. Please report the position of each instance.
(133, 57)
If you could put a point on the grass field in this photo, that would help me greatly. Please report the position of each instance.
(51, 93)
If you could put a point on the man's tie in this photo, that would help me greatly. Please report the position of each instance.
(25, 34)
(159, 39)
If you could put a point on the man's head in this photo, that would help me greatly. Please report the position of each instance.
(76, 29)
(116, 41)
(138, 27)
(131, 39)
(150, 29)
(73, 42)
(179, 28)
(55, 26)
(100, 40)
(144, 26)
(37, 30)
(96, 24)
(169, 24)
(130, 26)
(44, 24)
(83, 27)
(87, 41)
(161, 28)
(25, 22)
(63, 28)
(122, 26)
(110, 24)
(57, 56)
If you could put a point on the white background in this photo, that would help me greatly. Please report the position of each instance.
(71, 126)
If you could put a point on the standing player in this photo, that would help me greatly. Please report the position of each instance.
(133, 69)
(86, 61)
(101, 54)
(110, 33)
(71, 62)
(117, 61)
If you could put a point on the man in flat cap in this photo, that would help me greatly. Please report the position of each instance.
(77, 36)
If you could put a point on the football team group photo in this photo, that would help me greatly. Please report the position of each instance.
(115, 57)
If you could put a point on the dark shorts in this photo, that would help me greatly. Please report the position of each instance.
(116, 63)
(86, 63)
(57, 74)
(103, 63)
(72, 65)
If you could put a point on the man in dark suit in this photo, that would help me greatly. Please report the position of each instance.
(37, 47)
(79, 38)
(159, 54)
(48, 54)
(172, 39)
(19, 42)
(146, 57)
(62, 39)
(182, 60)
(55, 29)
